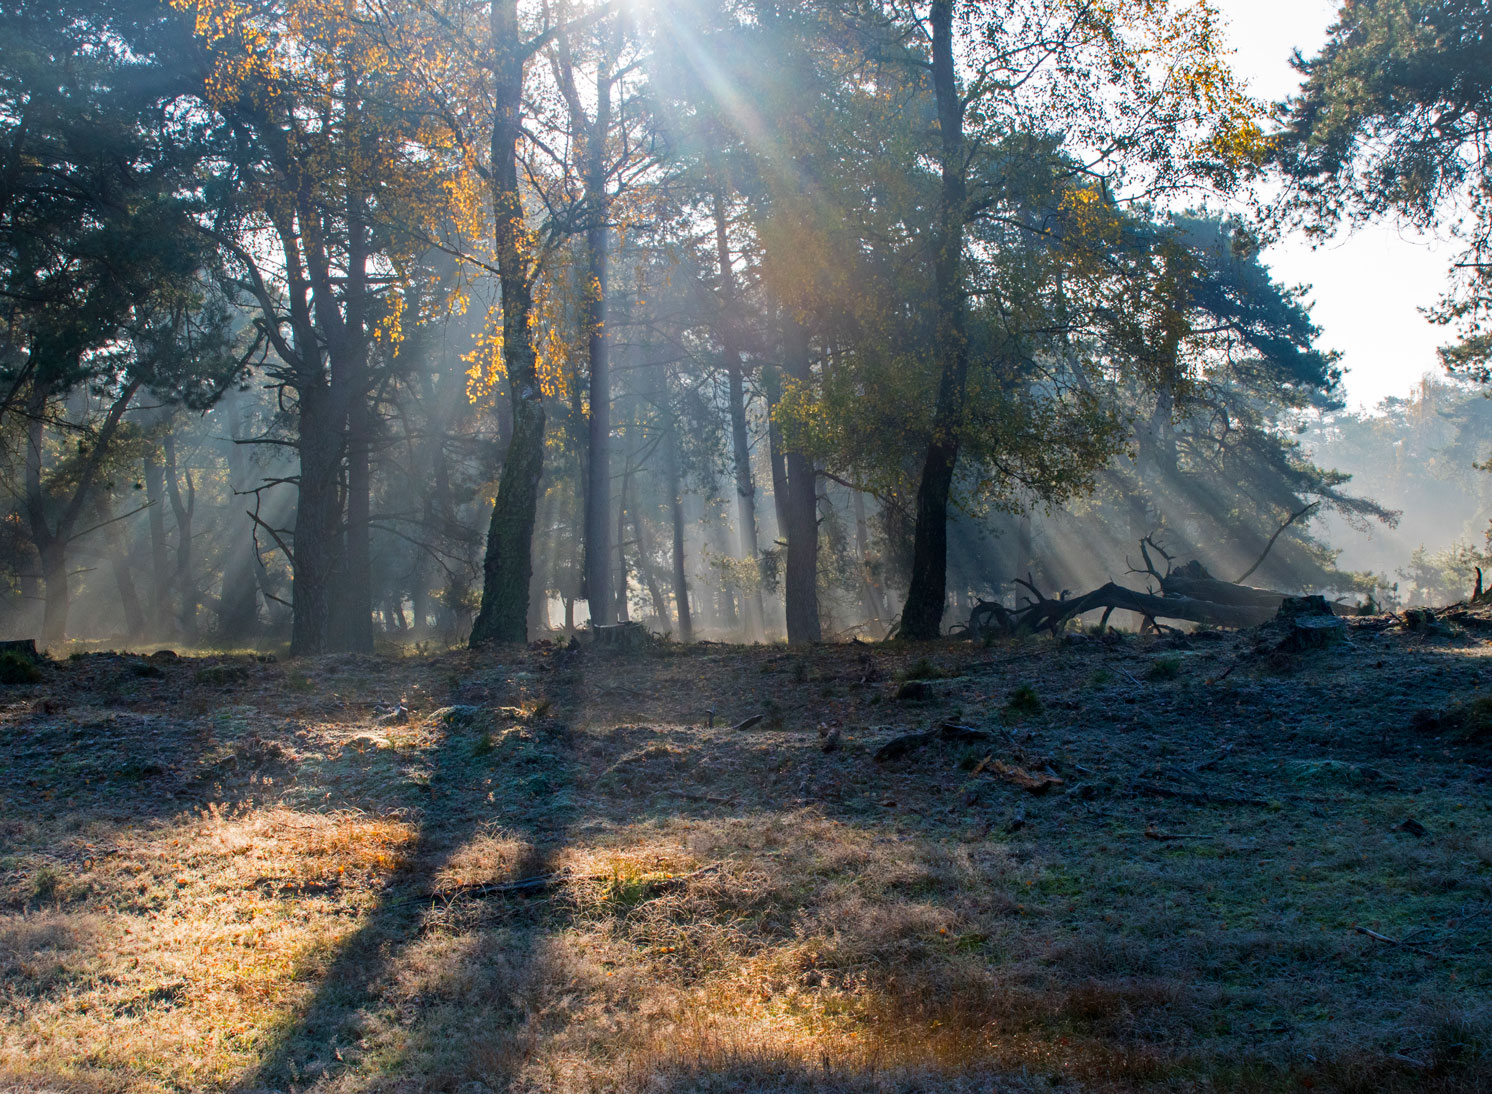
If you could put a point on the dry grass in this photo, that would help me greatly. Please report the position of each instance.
(236, 875)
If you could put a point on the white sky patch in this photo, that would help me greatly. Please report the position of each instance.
(1368, 286)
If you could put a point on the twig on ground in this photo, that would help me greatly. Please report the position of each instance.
(1169, 837)
(1227, 672)
(1376, 937)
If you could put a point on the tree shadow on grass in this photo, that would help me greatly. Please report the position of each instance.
(473, 1010)
(356, 989)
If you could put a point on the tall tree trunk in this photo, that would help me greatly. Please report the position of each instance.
(740, 441)
(55, 606)
(772, 388)
(801, 584)
(326, 391)
(922, 616)
(505, 571)
(318, 521)
(684, 619)
(622, 613)
(540, 580)
(599, 592)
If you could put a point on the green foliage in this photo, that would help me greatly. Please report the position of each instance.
(1392, 120)
(1438, 578)
(17, 669)
(1024, 702)
(1164, 668)
(922, 669)
(46, 884)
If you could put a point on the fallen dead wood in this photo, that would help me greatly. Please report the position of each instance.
(1037, 783)
(1047, 614)
(1211, 590)
(907, 743)
(1187, 594)
(1386, 940)
(1170, 837)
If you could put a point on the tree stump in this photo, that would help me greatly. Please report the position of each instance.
(620, 636)
(1309, 624)
(20, 647)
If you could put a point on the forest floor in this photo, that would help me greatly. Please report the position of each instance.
(1182, 863)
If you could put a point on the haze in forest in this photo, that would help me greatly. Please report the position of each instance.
(746, 322)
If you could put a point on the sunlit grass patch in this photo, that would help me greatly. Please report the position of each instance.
(188, 942)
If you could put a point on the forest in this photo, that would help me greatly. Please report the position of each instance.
(837, 373)
(670, 545)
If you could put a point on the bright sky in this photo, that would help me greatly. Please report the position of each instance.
(1367, 287)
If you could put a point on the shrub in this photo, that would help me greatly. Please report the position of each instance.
(1024, 702)
(16, 669)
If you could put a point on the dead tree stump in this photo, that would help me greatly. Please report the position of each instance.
(620, 636)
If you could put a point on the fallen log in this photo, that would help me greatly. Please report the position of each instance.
(908, 743)
(1194, 582)
(1187, 593)
(1112, 596)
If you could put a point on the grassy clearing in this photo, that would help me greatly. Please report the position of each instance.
(233, 874)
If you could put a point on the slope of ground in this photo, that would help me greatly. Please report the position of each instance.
(1163, 864)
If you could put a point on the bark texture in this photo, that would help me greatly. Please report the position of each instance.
(922, 616)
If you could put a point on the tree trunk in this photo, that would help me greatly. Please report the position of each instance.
(622, 614)
(55, 606)
(922, 616)
(503, 616)
(318, 513)
(801, 584)
(541, 578)
(772, 388)
(685, 621)
(598, 453)
(740, 440)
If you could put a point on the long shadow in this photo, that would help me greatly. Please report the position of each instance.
(360, 974)
(320, 1041)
